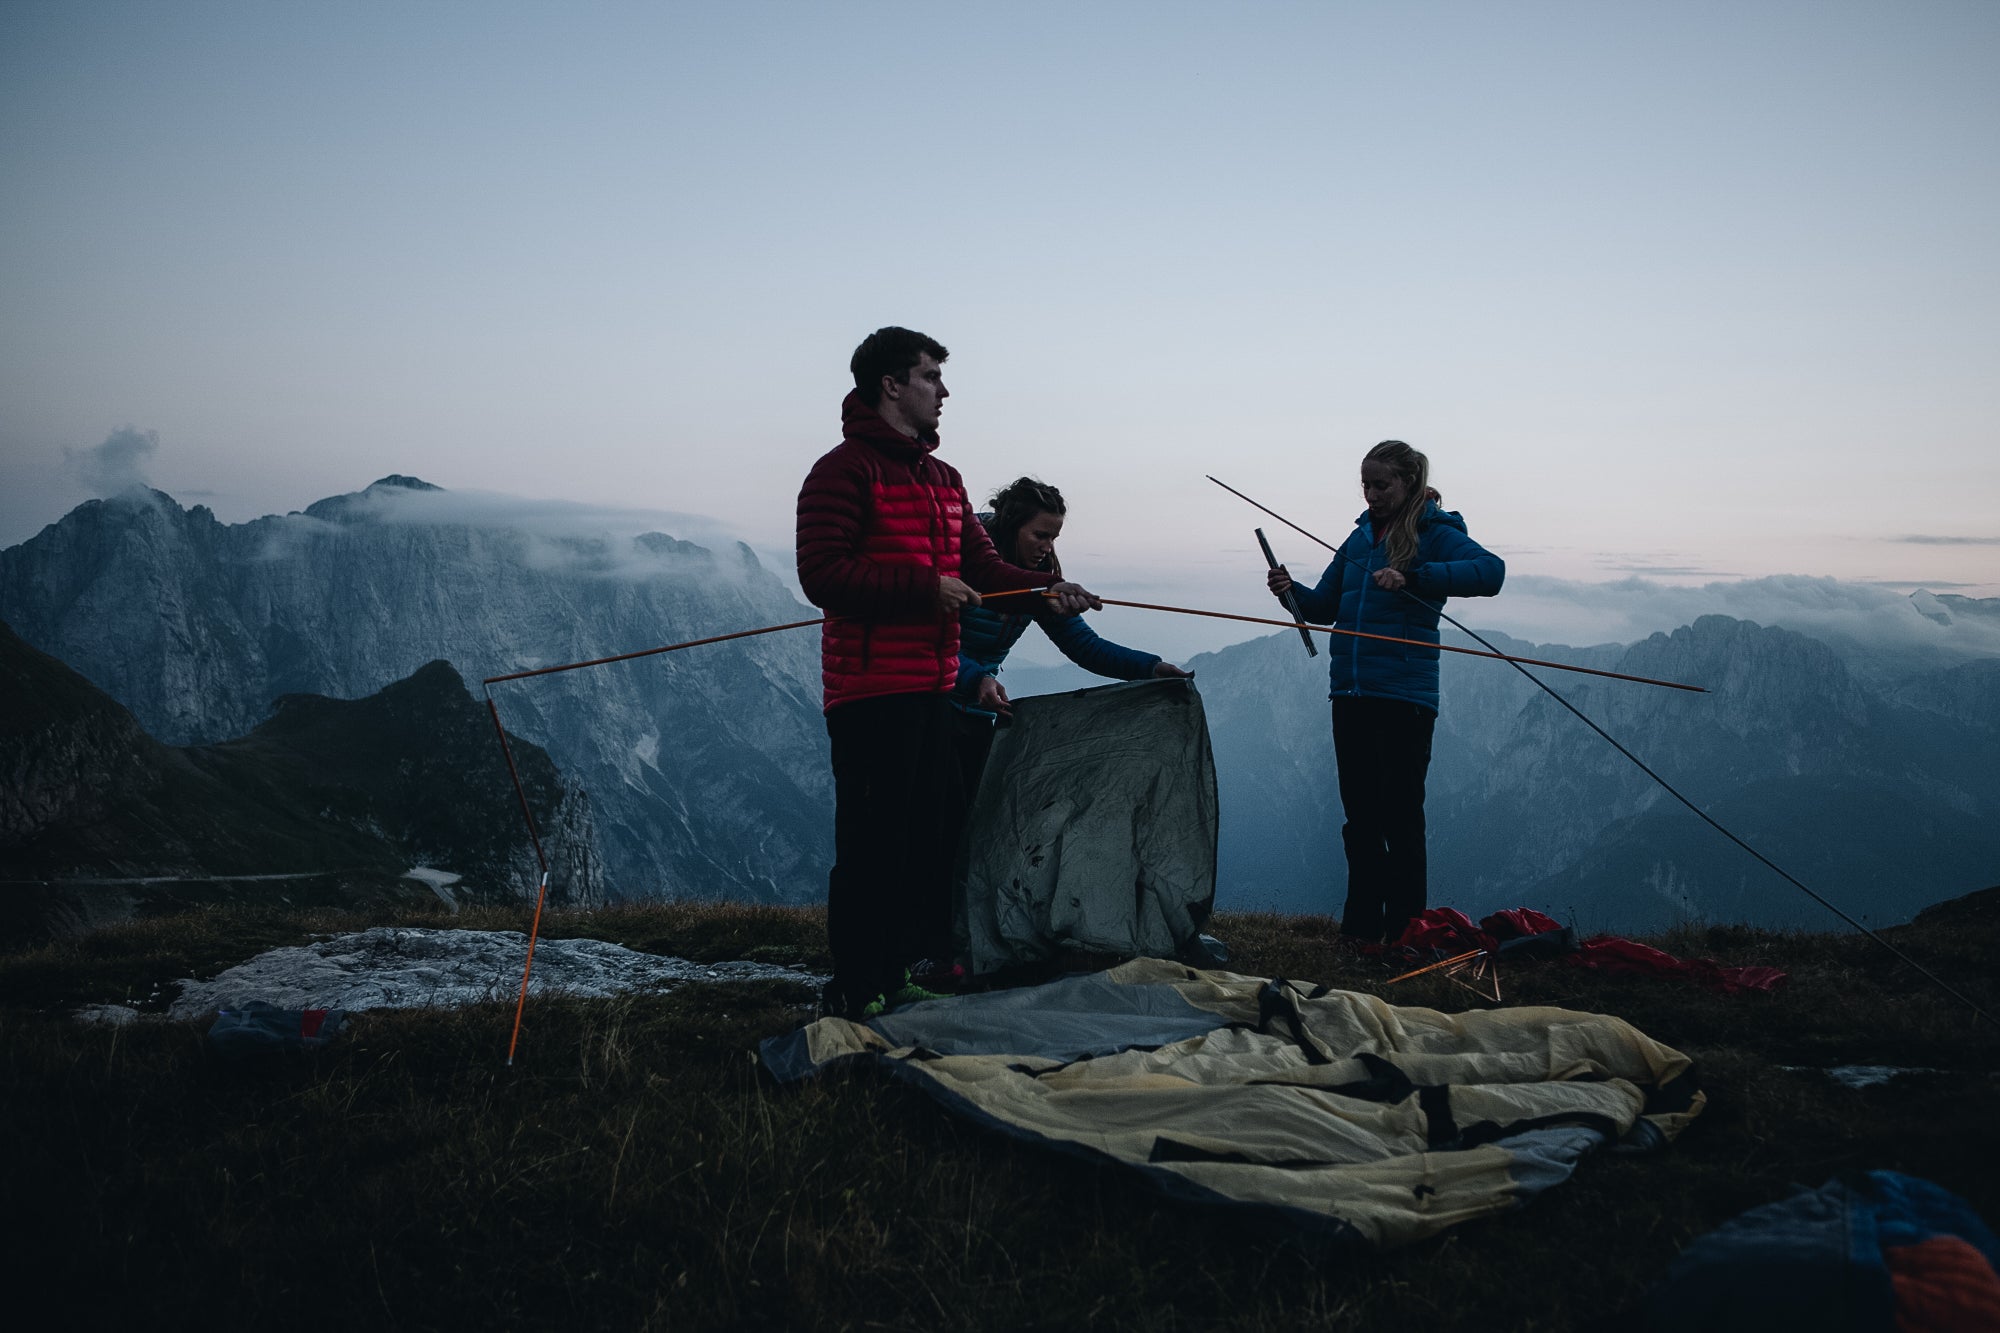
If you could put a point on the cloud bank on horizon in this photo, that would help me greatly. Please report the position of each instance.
(603, 541)
(1539, 608)
(1566, 611)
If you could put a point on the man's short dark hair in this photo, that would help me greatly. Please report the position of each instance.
(893, 352)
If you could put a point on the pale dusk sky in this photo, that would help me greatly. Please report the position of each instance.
(1697, 292)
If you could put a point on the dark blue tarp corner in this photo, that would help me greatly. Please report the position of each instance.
(257, 1028)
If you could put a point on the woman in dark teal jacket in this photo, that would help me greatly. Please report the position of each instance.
(1027, 518)
(1407, 554)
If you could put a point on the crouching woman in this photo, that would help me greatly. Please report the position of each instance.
(1025, 520)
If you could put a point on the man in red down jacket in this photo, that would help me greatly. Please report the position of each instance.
(889, 547)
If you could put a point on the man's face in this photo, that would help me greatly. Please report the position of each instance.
(917, 402)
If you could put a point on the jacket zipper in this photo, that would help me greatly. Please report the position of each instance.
(1360, 606)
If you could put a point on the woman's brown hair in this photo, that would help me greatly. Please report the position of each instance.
(1400, 531)
(1014, 505)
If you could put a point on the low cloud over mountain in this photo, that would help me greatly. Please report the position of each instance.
(117, 466)
(1869, 617)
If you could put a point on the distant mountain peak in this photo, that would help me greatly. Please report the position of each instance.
(365, 503)
(1929, 607)
(436, 674)
(659, 543)
(436, 683)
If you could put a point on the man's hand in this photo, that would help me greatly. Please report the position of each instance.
(1391, 579)
(993, 697)
(1070, 598)
(954, 594)
(1279, 581)
(1165, 670)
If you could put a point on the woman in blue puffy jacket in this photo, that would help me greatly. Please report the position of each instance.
(1407, 554)
(1026, 519)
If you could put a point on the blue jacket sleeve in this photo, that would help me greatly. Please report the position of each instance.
(1460, 567)
(1321, 605)
(1081, 645)
(970, 672)
(984, 638)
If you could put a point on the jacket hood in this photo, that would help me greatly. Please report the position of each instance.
(860, 422)
(1437, 513)
(1433, 513)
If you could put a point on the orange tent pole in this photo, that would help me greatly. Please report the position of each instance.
(1384, 638)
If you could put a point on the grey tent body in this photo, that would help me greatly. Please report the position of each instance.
(1342, 1113)
(1093, 829)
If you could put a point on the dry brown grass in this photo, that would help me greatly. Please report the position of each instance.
(634, 1171)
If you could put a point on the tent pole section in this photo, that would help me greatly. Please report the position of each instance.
(1302, 627)
(650, 652)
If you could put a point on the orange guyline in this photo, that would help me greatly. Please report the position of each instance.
(1388, 638)
(1140, 606)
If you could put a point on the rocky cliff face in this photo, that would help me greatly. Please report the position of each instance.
(706, 770)
(413, 765)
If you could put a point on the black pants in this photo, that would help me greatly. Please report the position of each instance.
(899, 808)
(973, 734)
(1383, 748)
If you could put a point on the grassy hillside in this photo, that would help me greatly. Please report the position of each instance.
(634, 1171)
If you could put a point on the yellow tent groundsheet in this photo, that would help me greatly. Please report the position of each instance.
(1378, 1123)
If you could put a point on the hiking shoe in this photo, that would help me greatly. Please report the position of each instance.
(945, 978)
(910, 993)
(907, 993)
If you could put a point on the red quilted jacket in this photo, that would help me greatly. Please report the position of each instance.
(881, 519)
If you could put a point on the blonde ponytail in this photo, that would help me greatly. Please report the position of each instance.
(1399, 532)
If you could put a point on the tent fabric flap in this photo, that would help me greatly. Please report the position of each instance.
(1093, 829)
(1366, 1120)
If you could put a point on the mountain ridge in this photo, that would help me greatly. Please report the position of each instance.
(342, 800)
(707, 771)
(1527, 807)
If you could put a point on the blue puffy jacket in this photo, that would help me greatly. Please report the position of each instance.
(1448, 564)
(985, 637)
